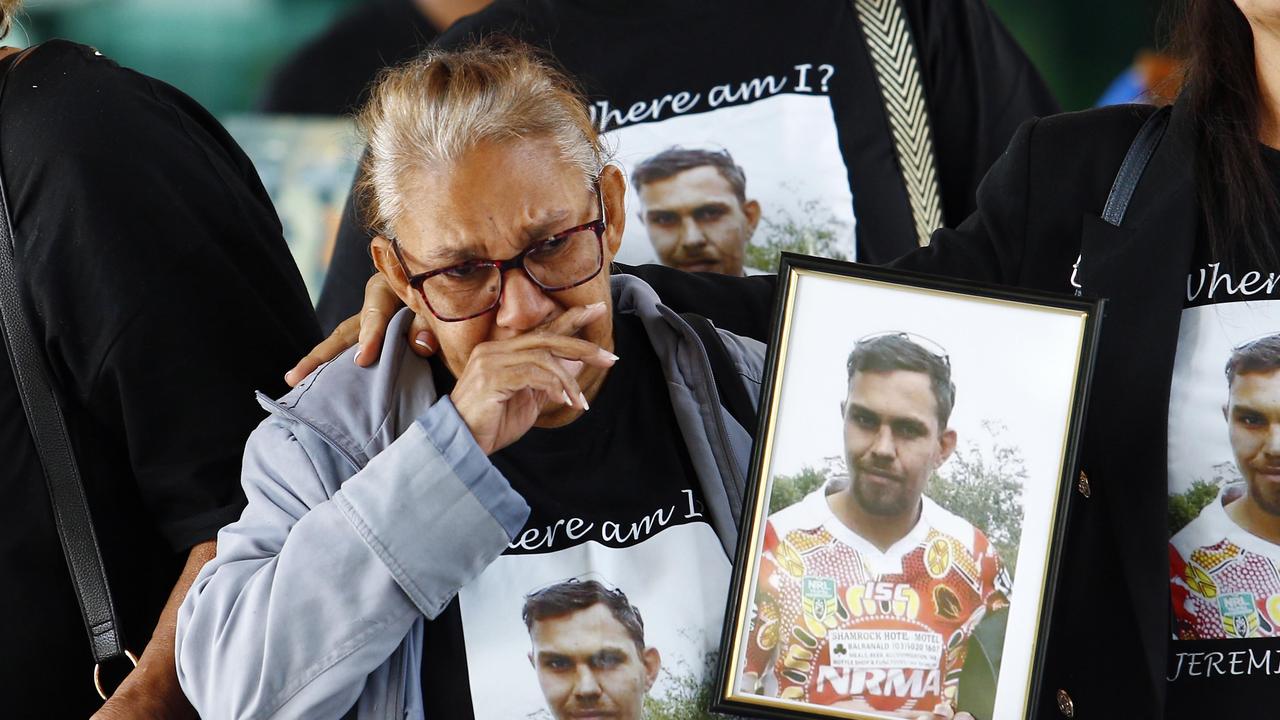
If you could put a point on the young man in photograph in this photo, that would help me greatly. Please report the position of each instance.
(588, 650)
(867, 595)
(1225, 564)
(694, 206)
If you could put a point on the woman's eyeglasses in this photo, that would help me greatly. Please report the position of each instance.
(470, 289)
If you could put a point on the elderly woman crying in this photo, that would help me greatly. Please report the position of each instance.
(567, 436)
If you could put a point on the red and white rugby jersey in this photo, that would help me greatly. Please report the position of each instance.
(837, 621)
(1225, 581)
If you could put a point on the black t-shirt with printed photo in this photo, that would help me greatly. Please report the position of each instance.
(790, 93)
(1224, 580)
(602, 491)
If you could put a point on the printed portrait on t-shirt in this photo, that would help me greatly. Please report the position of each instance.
(910, 470)
(1224, 472)
(625, 625)
(588, 649)
(725, 180)
(695, 209)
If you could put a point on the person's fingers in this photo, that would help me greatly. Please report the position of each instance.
(373, 327)
(566, 370)
(509, 370)
(573, 367)
(505, 382)
(500, 405)
(342, 337)
(547, 384)
(380, 303)
(944, 711)
(562, 346)
(575, 318)
(422, 339)
(305, 367)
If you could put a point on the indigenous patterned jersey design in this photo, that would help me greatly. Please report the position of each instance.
(1225, 581)
(837, 621)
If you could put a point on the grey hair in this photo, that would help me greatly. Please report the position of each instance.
(430, 111)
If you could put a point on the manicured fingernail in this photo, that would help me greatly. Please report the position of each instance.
(583, 399)
(606, 355)
(565, 395)
(356, 358)
(423, 339)
(596, 306)
(288, 377)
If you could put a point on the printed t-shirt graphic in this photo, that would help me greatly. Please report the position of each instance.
(1224, 575)
(614, 499)
(644, 63)
(793, 106)
(677, 579)
(837, 621)
(787, 149)
(1226, 582)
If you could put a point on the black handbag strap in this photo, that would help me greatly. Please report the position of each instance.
(729, 384)
(1135, 163)
(57, 457)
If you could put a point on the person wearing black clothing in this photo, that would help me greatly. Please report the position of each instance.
(978, 84)
(1037, 211)
(159, 285)
(330, 74)
(1180, 246)
(1196, 247)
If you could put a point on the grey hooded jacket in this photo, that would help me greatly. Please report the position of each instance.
(370, 506)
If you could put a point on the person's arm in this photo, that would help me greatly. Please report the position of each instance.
(323, 575)
(741, 305)
(151, 690)
(320, 580)
(184, 236)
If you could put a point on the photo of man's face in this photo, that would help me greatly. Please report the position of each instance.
(694, 206)
(590, 667)
(892, 439)
(1253, 416)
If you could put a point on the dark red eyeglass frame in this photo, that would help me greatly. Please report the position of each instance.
(596, 226)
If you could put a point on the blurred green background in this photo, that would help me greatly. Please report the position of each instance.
(1080, 46)
(221, 52)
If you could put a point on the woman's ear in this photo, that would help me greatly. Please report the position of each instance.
(613, 192)
(384, 258)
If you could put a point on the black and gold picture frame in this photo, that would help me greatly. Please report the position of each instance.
(906, 498)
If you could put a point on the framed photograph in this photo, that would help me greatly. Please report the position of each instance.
(907, 495)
